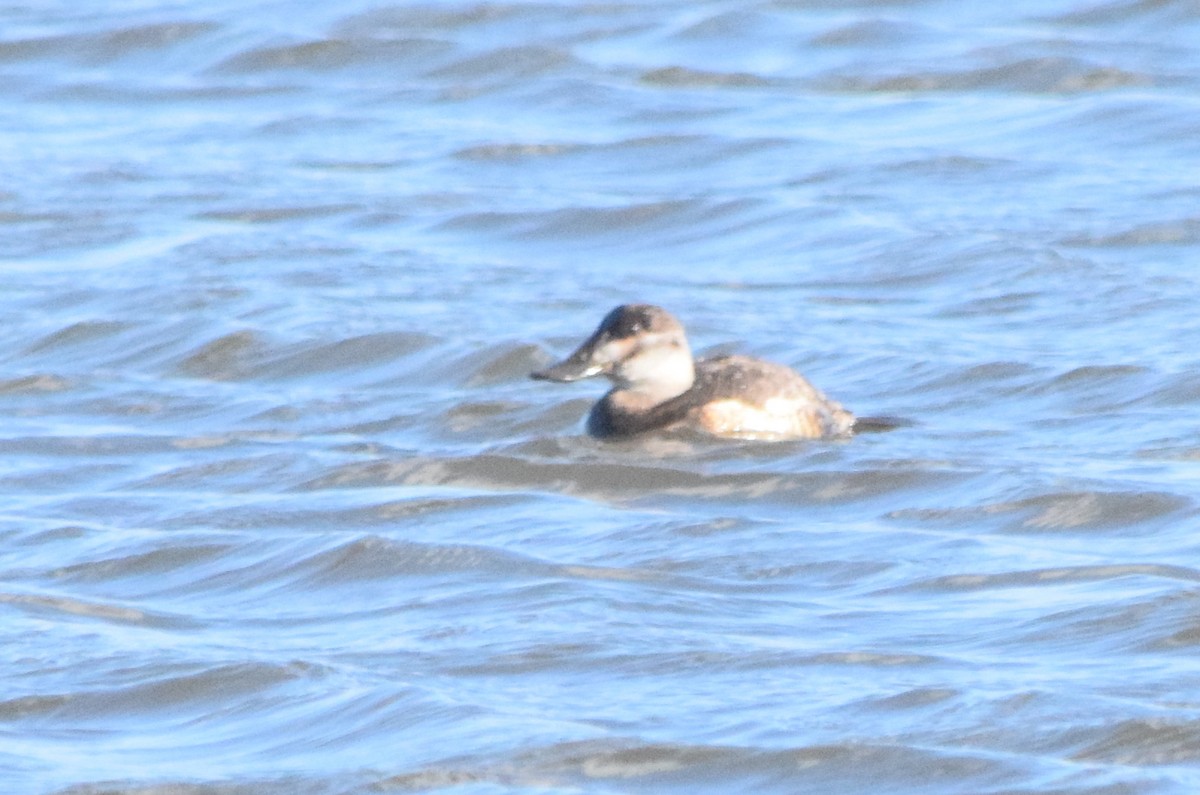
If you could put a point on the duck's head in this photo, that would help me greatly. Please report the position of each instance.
(637, 346)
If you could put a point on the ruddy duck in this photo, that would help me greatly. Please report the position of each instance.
(657, 385)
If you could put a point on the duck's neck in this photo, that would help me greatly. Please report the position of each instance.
(657, 376)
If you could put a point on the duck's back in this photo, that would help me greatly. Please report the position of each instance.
(742, 396)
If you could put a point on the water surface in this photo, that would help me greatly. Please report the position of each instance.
(283, 514)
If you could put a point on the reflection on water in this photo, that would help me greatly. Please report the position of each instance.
(283, 512)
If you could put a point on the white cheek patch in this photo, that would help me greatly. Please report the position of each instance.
(611, 352)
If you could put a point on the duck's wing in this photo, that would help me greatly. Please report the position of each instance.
(745, 396)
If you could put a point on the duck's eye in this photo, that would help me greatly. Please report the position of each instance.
(635, 327)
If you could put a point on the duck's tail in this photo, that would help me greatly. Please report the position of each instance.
(879, 424)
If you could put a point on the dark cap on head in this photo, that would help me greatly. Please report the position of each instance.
(629, 320)
(595, 355)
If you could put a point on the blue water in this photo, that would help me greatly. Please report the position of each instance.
(282, 512)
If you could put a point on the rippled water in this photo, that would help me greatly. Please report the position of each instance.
(283, 514)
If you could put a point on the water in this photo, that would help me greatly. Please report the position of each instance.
(283, 514)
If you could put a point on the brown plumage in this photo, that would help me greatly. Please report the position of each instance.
(643, 350)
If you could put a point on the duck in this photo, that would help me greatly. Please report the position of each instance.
(658, 385)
